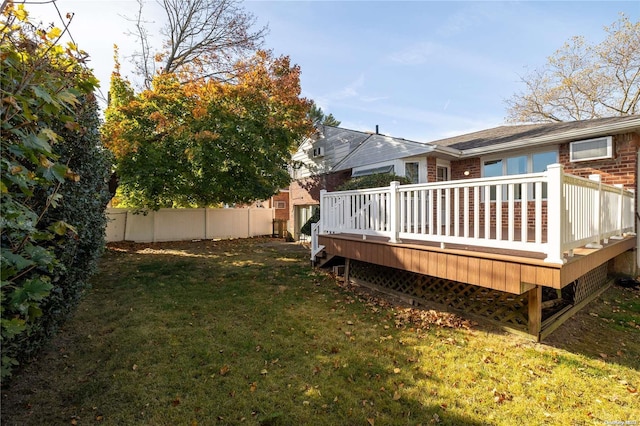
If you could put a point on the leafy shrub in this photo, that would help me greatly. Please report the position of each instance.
(53, 186)
(306, 228)
(377, 180)
(370, 181)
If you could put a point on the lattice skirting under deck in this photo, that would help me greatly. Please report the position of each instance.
(495, 305)
(506, 308)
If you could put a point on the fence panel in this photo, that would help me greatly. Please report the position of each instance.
(187, 224)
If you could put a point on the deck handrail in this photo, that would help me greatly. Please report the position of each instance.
(554, 211)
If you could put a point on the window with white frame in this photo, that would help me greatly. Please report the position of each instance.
(518, 164)
(412, 171)
(280, 204)
(591, 149)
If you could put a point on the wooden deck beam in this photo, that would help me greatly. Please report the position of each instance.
(511, 272)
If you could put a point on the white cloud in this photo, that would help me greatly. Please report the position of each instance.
(416, 54)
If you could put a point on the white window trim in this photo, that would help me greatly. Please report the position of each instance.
(609, 154)
(528, 153)
(281, 203)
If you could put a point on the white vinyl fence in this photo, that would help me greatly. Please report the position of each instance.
(188, 224)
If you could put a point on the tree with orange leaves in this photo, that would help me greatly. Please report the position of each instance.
(206, 141)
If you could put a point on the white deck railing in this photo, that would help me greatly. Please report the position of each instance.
(550, 212)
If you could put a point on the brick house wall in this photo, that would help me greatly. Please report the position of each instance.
(305, 192)
(278, 199)
(621, 169)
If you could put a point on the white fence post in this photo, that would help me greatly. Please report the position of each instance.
(394, 217)
(555, 213)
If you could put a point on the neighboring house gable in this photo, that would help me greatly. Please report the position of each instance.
(319, 155)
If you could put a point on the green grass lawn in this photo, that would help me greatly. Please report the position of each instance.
(245, 332)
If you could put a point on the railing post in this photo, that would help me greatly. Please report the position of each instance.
(555, 213)
(323, 212)
(597, 215)
(394, 217)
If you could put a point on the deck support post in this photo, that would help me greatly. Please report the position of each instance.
(535, 311)
(347, 270)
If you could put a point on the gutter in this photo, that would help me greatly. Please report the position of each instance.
(577, 134)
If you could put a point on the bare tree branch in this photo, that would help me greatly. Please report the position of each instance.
(200, 38)
(582, 81)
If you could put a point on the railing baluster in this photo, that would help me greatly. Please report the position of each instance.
(538, 213)
(427, 212)
(466, 212)
(487, 212)
(524, 213)
(456, 212)
(499, 189)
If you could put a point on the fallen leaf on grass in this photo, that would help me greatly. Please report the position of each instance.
(224, 370)
(396, 396)
(253, 387)
(175, 402)
(632, 390)
(372, 422)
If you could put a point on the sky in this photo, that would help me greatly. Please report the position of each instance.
(420, 70)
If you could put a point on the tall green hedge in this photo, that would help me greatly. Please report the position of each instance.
(53, 183)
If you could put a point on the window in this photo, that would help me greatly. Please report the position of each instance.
(517, 165)
(280, 204)
(318, 152)
(442, 173)
(411, 172)
(591, 149)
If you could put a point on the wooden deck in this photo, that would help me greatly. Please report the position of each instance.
(503, 270)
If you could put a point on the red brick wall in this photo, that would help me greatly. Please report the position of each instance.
(620, 169)
(307, 191)
(281, 214)
(472, 165)
(431, 169)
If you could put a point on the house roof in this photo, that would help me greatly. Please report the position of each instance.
(508, 137)
(379, 148)
(357, 149)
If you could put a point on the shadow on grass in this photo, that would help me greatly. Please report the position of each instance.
(244, 332)
(607, 329)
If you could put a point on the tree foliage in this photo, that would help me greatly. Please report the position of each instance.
(200, 37)
(377, 180)
(206, 141)
(583, 81)
(53, 174)
(318, 117)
